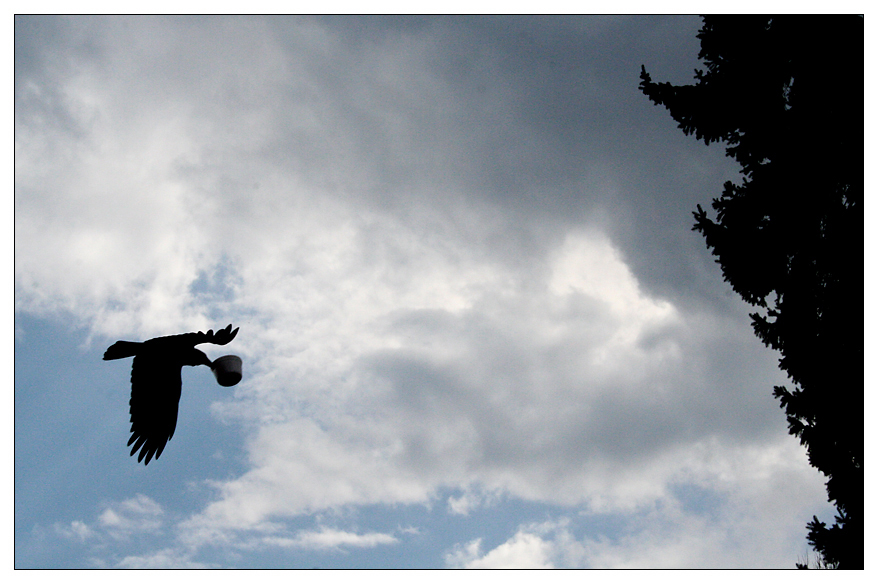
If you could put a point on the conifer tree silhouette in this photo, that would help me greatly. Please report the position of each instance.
(785, 94)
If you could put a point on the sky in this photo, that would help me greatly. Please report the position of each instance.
(476, 327)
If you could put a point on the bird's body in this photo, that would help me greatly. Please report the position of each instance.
(156, 384)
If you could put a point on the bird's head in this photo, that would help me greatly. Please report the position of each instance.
(194, 357)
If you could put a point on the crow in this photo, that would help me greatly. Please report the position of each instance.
(156, 383)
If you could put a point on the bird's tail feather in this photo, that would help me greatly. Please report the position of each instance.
(121, 349)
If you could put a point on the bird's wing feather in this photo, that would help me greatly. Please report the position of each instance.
(121, 349)
(223, 336)
(156, 383)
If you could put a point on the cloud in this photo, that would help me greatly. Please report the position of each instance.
(260, 164)
(472, 499)
(739, 525)
(119, 521)
(327, 538)
(463, 554)
(523, 551)
(139, 513)
(77, 529)
(166, 559)
(546, 393)
(123, 525)
(534, 546)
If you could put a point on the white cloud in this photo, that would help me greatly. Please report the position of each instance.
(122, 524)
(463, 554)
(746, 529)
(390, 369)
(327, 538)
(119, 521)
(471, 499)
(529, 548)
(140, 513)
(165, 559)
(77, 529)
(524, 551)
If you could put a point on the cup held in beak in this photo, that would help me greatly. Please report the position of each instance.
(227, 370)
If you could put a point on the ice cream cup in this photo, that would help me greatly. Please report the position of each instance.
(227, 370)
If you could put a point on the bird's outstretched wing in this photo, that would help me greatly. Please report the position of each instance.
(223, 336)
(155, 396)
(121, 349)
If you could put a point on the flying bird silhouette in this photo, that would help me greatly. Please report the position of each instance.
(156, 383)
